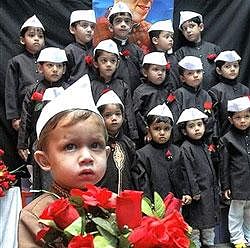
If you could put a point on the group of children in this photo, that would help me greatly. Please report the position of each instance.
(166, 122)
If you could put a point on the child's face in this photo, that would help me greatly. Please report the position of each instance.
(160, 132)
(83, 31)
(192, 78)
(155, 73)
(121, 26)
(164, 42)
(113, 118)
(194, 129)
(75, 154)
(241, 120)
(33, 40)
(52, 72)
(229, 70)
(192, 31)
(107, 64)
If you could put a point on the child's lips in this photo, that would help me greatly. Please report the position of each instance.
(87, 172)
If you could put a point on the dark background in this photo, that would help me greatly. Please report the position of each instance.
(226, 24)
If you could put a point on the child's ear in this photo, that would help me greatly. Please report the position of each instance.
(184, 132)
(72, 30)
(155, 40)
(40, 68)
(107, 150)
(42, 159)
(111, 28)
(21, 39)
(144, 73)
(182, 78)
(95, 64)
(230, 119)
(218, 70)
(118, 62)
(201, 26)
(64, 68)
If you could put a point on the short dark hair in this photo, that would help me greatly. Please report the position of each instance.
(98, 53)
(181, 70)
(112, 17)
(196, 20)
(101, 109)
(157, 119)
(24, 30)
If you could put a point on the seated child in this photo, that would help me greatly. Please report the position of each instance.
(235, 170)
(82, 27)
(22, 71)
(228, 68)
(106, 60)
(161, 36)
(202, 214)
(73, 157)
(122, 155)
(191, 26)
(157, 164)
(51, 64)
(152, 92)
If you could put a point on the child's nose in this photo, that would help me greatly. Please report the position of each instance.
(85, 156)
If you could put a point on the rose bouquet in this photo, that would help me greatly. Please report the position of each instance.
(95, 217)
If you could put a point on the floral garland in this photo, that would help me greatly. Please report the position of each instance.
(97, 218)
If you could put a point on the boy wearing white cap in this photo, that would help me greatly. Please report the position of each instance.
(22, 70)
(105, 62)
(51, 64)
(122, 155)
(120, 19)
(191, 94)
(202, 214)
(152, 92)
(235, 170)
(73, 157)
(157, 163)
(191, 26)
(161, 37)
(82, 27)
(228, 68)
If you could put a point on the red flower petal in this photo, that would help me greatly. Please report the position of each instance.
(208, 105)
(171, 97)
(168, 66)
(37, 96)
(41, 234)
(1, 152)
(82, 242)
(211, 56)
(172, 204)
(88, 59)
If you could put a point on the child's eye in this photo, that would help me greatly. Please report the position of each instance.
(97, 146)
(70, 147)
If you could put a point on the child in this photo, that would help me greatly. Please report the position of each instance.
(191, 94)
(21, 71)
(152, 92)
(191, 25)
(122, 156)
(158, 162)
(235, 170)
(73, 157)
(51, 64)
(82, 26)
(161, 36)
(120, 18)
(202, 213)
(106, 61)
(227, 67)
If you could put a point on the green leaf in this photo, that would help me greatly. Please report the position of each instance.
(123, 242)
(159, 206)
(76, 201)
(48, 223)
(146, 206)
(101, 242)
(105, 225)
(38, 106)
(74, 228)
(192, 245)
(108, 236)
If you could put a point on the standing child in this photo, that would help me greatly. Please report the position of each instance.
(202, 213)
(73, 157)
(120, 19)
(82, 26)
(106, 61)
(190, 94)
(51, 64)
(157, 164)
(122, 156)
(191, 26)
(22, 71)
(161, 37)
(228, 68)
(235, 170)
(152, 92)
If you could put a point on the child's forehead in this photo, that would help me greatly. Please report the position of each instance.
(231, 63)
(194, 121)
(122, 14)
(241, 113)
(105, 54)
(34, 29)
(112, 106)
(187, 23)
(166, 33)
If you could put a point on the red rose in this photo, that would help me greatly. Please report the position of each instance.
(208, 105)
(61, 212)
(172, 203)
(1, 152)
(125, 53)
(37, 96)
(171, 97)
(88, 60)
(5, 185)
(105, 90)
(168, 155)
(2, 193)
(168, 66)
(211, 148)
(41, 234)
(95, 196)
(211, 56)
(129, 200)
(82, 242)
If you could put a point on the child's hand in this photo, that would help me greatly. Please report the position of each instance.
(227, 194)
(16, 124)
(24, 153)
(197, 197)
(186, 199)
